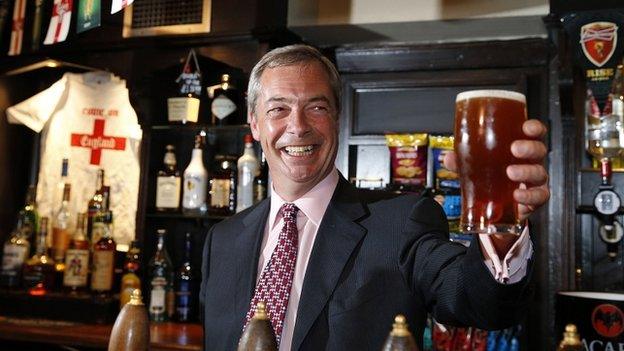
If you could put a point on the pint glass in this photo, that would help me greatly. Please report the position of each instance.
(486, 123)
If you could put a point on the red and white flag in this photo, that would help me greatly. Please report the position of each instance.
(17, 31)
(119, 5)
(59, 24)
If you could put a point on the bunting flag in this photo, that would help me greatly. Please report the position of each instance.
(17, 31)
(119, 5)
(59, 24)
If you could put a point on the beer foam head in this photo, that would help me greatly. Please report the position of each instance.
(492, 93)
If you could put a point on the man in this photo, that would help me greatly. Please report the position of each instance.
(335, 264)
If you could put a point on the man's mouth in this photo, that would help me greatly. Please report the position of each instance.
(300, 150)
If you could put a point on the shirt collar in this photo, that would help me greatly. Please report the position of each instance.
(312, 204)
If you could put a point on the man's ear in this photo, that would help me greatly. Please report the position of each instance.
(253, 124)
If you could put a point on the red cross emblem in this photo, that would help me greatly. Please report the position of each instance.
(98, 141)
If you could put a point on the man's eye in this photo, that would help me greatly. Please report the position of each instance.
(320, 109)
(276, 112)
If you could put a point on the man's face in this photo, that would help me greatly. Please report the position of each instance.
(295, 121)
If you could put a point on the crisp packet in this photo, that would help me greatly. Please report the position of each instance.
(408, 158)
(443, 178)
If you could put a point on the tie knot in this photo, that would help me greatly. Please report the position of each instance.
(289, 211)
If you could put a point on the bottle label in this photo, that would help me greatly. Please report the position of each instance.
(220, 193)
(157, 296)
(183, 301)
(194, 192)
(98, 230)
(222, 107)
(103, 265)
(168, 192)
(13, 258)
(76, 268)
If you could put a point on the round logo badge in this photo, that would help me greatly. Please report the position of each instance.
(608, 320)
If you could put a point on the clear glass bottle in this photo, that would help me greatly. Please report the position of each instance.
(103, 261)
(29, 215)
(195, 179)
(61, 227)
(223, 186)
(261, 182)
(161, 296)
(248, 168)
(130, 279)
(225, 106)
(77, 258)
(185, 286)
(15, 252)
(39, 270)
(168, 183)
(60, 186)
(95, 204)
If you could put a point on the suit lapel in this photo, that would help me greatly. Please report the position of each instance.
(337, 237)
(248, 244)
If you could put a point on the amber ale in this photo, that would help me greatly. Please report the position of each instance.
(486, 123)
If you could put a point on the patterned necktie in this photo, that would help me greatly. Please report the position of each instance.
(277, 277)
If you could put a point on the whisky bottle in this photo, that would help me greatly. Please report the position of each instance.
(247, 166)
(60, 227)
(185, 286)
(103, 260)
(225, 104)
(261, 181)
(195, 179)
(95, 204)
(130, 279)
(168, 183)
(15, 252)
(28, 214)
(223, 186)
(161, 295)
(39, 271)
(77, 258)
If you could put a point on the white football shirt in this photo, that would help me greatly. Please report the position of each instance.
(90, 122)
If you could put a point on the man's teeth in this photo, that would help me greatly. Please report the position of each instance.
(299, 150)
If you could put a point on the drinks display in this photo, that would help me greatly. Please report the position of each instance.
(61, 227)
(39, 270)
(15, 251)
(168, 183)
(76, 271)
(261, 182)
(97, 202)
(185, 286)
(160, 272)
(486, 123)
(130, 279)
(223, 186)
(247, 166)
(28, 214)
(103, 261)
(225, 106)
(195, 179)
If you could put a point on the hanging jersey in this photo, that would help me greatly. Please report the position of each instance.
(92, 123)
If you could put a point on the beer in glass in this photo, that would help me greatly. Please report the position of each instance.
(486, 123)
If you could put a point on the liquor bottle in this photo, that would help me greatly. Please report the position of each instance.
(60, 227)
(130, 280)
(247, 166)
(60, 186)
(195, 179)
(571, 340)
(162, 298)
(185, 285)
(28, 214)
(223, 186)
(258, 334)
(261, 182)
(39, 272)
(103, 260)
(77, 258)
(225, 104)
(168, 183)
(95, 204)
(15, 253)
(102, 223)
(400, 338)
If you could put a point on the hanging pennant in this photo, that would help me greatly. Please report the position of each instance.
(59, 24)
(17, 30)
(119, 5)
(89, 15)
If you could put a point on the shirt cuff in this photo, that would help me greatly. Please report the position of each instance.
(514, 265)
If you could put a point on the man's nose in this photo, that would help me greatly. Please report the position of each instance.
(298, 123)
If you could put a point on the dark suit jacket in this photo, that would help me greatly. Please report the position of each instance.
(376, 255)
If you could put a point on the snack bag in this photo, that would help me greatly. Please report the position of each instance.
(408, 159)
(443, 178)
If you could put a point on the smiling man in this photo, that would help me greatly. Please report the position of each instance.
(335, 264)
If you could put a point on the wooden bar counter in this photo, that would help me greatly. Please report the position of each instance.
(163, 336)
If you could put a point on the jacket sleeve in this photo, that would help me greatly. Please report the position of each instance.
(452, 280)
(205, 268)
